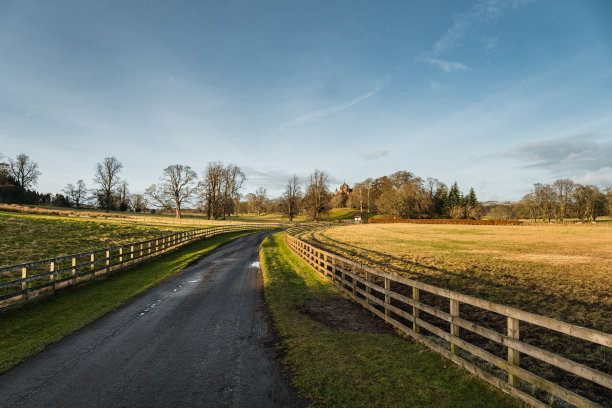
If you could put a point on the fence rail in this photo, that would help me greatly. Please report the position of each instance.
(404, 312)
(442, 221)
(22, 283)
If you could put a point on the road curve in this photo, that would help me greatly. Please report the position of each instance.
(199, 339)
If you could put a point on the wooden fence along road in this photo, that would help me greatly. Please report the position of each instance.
(361, 283)
(21, 283)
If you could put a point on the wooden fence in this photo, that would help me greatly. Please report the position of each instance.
(21, 283)
(441, 221)
(361, 283)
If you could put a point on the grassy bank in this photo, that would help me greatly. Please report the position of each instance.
(356, 369)
(28, 238)
(26, 331)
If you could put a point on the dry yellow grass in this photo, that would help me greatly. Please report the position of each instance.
(562, 271)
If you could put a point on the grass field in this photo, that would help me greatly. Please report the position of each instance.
(560, 271)
(27, 238)
(564, 272)
(346, 368)
(27, 330)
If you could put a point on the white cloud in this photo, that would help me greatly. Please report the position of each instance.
(601, 177)
(375, 154)
(447, 66)
(321, 113)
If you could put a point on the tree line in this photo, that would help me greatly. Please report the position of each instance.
(218, 194)
(404, 195)
(558, 201)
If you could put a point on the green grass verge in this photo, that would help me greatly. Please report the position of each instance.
(352, 369)
(27, 330)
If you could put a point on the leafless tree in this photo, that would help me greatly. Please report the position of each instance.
(546, 199)
(177, 184)
(316, 199)
(590, 202)
(290, 201)
(564, 189)
(258, 201)
(138, 202)
(24, 170)
(232, 179)
(77, 194)
(210, 188)
(123, 196)
(107, 177)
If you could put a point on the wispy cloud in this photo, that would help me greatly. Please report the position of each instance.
(447, 66)
(483, 11)
(375, 154)
(321, 113)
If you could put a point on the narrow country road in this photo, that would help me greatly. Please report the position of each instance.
(198, 340)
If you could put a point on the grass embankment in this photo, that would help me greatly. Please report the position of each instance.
(354, 369)
(28, 238)
(25, 331)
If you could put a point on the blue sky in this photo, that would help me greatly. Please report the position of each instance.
(494, 94)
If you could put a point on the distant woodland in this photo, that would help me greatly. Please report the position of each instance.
(218, 194)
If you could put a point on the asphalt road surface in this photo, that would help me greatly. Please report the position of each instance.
(200, 339)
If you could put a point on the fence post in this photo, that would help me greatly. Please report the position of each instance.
(140, 253)
(52, 270)
(354, 280)
(121, 255)
(73, 270)
(24, 285)
(131, 251)
(156, 245)
(454, 329)
(367, 288)
(513, 355)
(149, 249)
(92, 262)
(415, 310)
(107, 260)
(387, 299)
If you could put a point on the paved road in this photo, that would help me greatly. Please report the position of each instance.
(199, 339)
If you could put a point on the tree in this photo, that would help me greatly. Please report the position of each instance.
(257, 201)
(564, 189)
(76, 194)
(138, 202)
(545, 198)
(316, 199)
(210, 188)
(590, 202)
(123, 196)
(24, 171)
(232, 179)
(177, 185)
(290, 201)
(609, 200)
(107, 177)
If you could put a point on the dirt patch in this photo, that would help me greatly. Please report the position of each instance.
(342, 314)
(550, 258)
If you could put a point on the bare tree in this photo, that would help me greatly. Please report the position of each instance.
(545, 198)
(177, 184)
(24, 171)
(107, 177)
(290, 201)
(564, 189)
(211, 188)
(123, 196)
(77, 194)
(138, 202)
(316, 199)
(232, 179)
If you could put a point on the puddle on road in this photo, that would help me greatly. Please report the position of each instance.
(255, 264)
